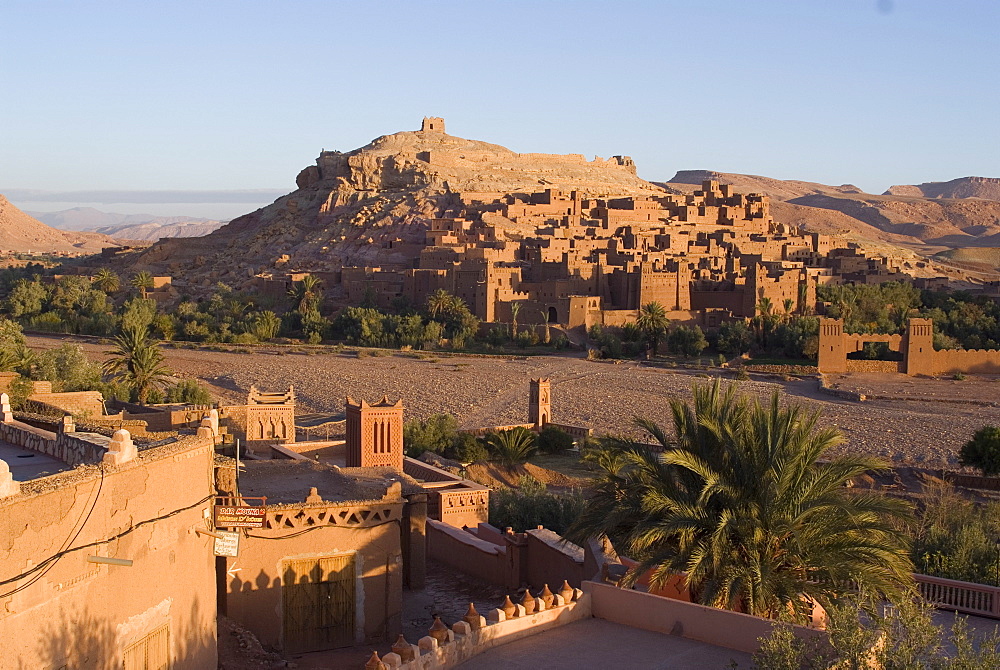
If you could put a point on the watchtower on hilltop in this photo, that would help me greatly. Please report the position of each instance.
(374, 434)
(432, 124)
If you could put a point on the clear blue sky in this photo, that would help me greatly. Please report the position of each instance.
(242, 95)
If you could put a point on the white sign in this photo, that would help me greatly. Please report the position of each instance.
(228, 544)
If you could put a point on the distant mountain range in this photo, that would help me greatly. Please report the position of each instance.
(22, 233)
(148, 227)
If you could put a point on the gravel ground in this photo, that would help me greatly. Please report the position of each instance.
(482, 391)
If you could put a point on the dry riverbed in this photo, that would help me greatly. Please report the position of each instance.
(482, 391)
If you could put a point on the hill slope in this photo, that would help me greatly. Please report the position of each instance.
(986, 188)
(22, 233)
(365, 207)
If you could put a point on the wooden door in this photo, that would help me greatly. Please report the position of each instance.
(318, 603)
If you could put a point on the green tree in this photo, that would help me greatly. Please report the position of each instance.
(983, 451)
(686, 341)
(515, 309)
(188, 392)
(511, 447)
(137, 363)
(735, 338)
(306, 294)
(106, 280)
(266, 325)
(653, 322)
(26, 298)
(68, 368)
(553, 440)
(745, 506)
(143, 282)
(14, 353)
(439, 302)
(436, 434)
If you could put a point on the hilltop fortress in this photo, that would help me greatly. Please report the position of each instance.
(577, 242)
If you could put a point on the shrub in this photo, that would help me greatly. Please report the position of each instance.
(467, 448)
(956, 538)
(68, 368)
(686, 341)
(530, 506)
(983, 451)
(511, 447)
(554, 440)
(435, 434)
(189, 392)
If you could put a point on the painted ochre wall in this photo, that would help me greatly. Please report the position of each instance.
(84, 615)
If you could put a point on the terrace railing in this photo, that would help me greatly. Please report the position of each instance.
(964, 597)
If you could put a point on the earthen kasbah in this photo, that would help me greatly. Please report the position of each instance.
(575, 241)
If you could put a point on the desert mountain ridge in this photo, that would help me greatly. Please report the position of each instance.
(148, 227)
(22, 233)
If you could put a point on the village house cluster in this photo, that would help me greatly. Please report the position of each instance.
(578, 259)
(128, 535)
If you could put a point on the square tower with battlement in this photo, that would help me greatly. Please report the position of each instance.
(374, 434)
(540, 402)
(432, 124)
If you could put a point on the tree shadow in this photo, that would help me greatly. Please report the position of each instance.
(89, 639)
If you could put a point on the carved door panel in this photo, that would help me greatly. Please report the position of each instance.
(318, 603)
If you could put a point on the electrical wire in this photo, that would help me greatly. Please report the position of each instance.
(51, 560)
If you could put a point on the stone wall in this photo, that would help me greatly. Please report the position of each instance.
(537, 557)
(71, 448)
(78, 403)
(723, 628)
(874, 366)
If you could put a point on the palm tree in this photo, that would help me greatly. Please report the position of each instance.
(439, 302)
(511, 447)
(741, 504)
(107, 281)
(547, 337)
(515, 308)
(788, 304)
(306, 294)
(137, 362)
(653, 322)
(142, 281)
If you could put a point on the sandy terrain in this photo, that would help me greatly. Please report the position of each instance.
(604, 396)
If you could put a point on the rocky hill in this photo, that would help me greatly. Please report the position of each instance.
(901, 217)
(364, 207)
(22, 233)
(127, 226)
(986, 188)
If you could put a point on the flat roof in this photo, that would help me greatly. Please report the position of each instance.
(287, 482)
(596, 643)
(26, 465)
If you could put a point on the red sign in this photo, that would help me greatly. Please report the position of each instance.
(239, 517)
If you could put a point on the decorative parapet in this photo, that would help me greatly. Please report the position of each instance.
(443, 648)
(347, 515)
